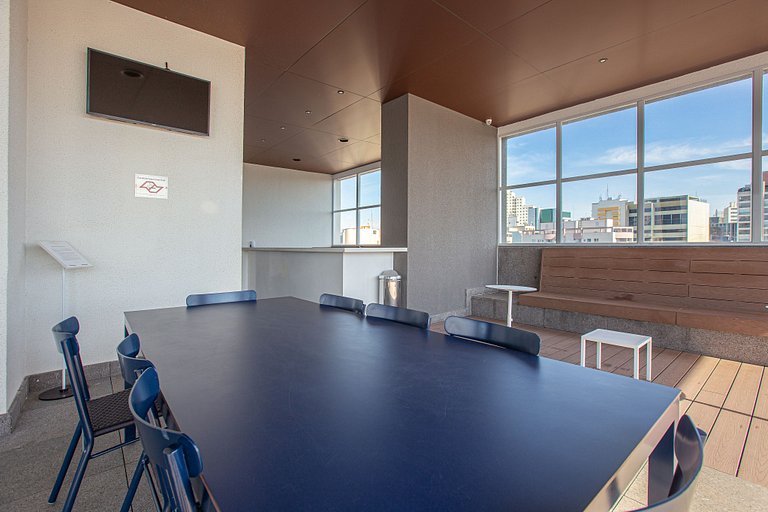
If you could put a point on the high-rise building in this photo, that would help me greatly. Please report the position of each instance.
(597, 231)
(615, 209)
(682, 218)
(516, 209)
(744, 205)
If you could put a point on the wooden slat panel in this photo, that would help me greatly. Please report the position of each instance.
(660, 361)
(676, 265)
(758, 268)
(726, 442)
(719, 383)
(730, 294)
(672, 375)
(684, 405)
(743, 394)
(599, 307)
(674, 290)
(703, 416)
(695, 379)
(640, 276)
(754, 461)
(761, 406)
(729, 280)
(693, 253)
(745, 323)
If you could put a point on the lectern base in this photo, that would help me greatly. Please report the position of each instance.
(55, 394)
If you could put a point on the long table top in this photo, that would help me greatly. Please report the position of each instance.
(300, 407)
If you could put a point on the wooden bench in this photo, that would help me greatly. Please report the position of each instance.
(715, 288)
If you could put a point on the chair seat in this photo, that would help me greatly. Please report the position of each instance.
(109, 413)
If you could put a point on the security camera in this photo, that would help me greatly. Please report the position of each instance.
(489, 121)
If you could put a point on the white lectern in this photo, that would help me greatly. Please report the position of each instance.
(69, 259)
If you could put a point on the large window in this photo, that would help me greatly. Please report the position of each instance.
(357, 209)
(686, 157)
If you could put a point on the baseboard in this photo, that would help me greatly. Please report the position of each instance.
(8, 419)
(33, 385)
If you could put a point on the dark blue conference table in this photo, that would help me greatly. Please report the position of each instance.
(300, 407)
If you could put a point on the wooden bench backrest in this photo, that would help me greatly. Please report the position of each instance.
(721, 278)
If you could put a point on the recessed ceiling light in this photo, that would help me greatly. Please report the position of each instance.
(343, 139)
(297, 159)
(307, 112)
(340, 91)
(603, 60)
(263, 140)
(282, 127)
(132, 73)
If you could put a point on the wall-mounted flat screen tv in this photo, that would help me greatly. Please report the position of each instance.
(127, 90)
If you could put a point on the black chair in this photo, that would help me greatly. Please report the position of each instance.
(493, 334)
(97, 416)
(401, 315)
(175, 457)
(341, 302)
(203, 299)
(689, 449)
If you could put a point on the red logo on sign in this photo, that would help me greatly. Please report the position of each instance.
(151, 187)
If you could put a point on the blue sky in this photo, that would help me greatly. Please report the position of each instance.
(707, 123)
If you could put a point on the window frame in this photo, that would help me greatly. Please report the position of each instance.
(757, 74)
(357, 172)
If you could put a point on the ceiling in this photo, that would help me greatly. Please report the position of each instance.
(502, 59)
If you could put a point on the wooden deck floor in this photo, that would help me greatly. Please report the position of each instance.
(727, 399)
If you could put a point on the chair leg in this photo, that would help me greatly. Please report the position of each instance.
(134, 484)
(130, 433)
(65, 464)
(151, 480)
(78, 478)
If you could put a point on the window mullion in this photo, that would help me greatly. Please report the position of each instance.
(559, 182)
(640, 201)
(757, 161)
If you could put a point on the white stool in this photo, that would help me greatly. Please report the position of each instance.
(619, 339)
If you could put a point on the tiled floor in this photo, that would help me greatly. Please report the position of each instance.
(728, 398)
(30, 457)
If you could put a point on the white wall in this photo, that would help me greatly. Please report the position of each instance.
(286, 208)
(147, 253)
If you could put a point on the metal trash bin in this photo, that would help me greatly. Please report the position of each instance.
(389, 288)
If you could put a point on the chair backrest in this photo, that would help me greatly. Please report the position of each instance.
(174, 455)
(341, 302)
(203, 299)
(130, 365)
(401, 315)
(689, 449)
(65, 329)
(71, 350)
(495, 334)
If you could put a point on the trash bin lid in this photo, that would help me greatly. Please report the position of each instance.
(390, 275)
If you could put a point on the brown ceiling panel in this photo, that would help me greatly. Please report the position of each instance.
(312, 165)
(359, 121)
(383, 40)
(564, 30)
(265, 133)
(307, 144)
(376, 139)
(258, 77)
(276, 32)
(290, 96)
(493, 14)
(478, 69)
(358, 153)
(684, 47)
(522, 100)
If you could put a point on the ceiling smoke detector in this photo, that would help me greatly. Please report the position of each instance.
(343, 139)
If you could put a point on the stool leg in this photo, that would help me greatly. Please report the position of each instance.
(599, 355)
(649, 357)
(509, 310)
(134, 484)
(65, 464)
(636, 363)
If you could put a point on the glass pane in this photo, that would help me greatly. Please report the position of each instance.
(707, 123)
(531, 157)
(765, 112)
(370, 226)
(597, 210)
(698, 204)
(344, 228)
(370, 188)
(345, 193)
(529, 215)
(600, 144)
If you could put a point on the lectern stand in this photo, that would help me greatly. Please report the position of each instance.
(69, 259)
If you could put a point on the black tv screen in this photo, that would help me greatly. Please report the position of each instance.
(127, 90)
